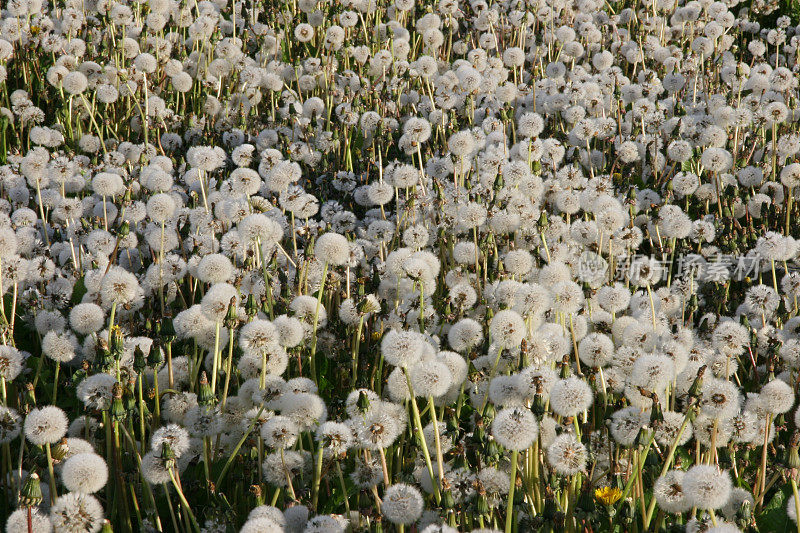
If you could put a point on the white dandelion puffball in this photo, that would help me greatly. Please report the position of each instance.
(402, 504)
(332, 248)
(85, 473)
(570, 396)
(777, 397)
(75, 511)
(669, 494)
(430, 378)
(261, 524)
(507, 329)
(402, 348)
(86, 318)
(567, 455)
(45, 425)
(18, 521)
(515, 428)
(707, 487)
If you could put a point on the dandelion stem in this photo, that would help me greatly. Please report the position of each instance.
(55, 381)
(184, 503)
(313, 366)
(51, 477)
(421, 437)
(512, 485)
(667, 462)
(796, 501)
(437, 438)
(318, 474)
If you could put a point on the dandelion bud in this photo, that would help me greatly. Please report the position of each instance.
(448, 502)
(586, 503)
(117, 412)
(60, 450)
(258, 494)
(566, 369)
(656, 414)
(230, 317)
(697, 385)
(483, 504)
(154, 326)
(479, 435)
(106, 361)
(139, 360)
(31, 494)
(124, 229)
(155, 357)
(543, 221)
(116, 343)
(363, 402)
(539, 405)
(746, 509)
(167, 329)
(206, 396)
(794, 458)
(167, 455)
(251, 307)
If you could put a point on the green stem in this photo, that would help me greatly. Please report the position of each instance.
(184, 503)
(421, 438)
(313, 363)
(317, 475)
(673, 447)
(51, 475)
(235, 451)
(511, 487)
(796, 503)
(635, 475)
(344, 488)
(55, 382)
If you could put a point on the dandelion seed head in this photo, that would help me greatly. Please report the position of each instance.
(567, 455)
(84, 473)
(570, 396)
(706, 487)
(45, 425)
(402, 504)
(515, 428)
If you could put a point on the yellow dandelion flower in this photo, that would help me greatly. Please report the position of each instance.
(608, 495)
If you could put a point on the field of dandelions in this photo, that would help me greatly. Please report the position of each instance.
(423, 266)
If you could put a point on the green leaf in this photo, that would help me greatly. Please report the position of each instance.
(682, 454)
(322, 383)
(773, 518)
(742, 484)
(78, 291)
